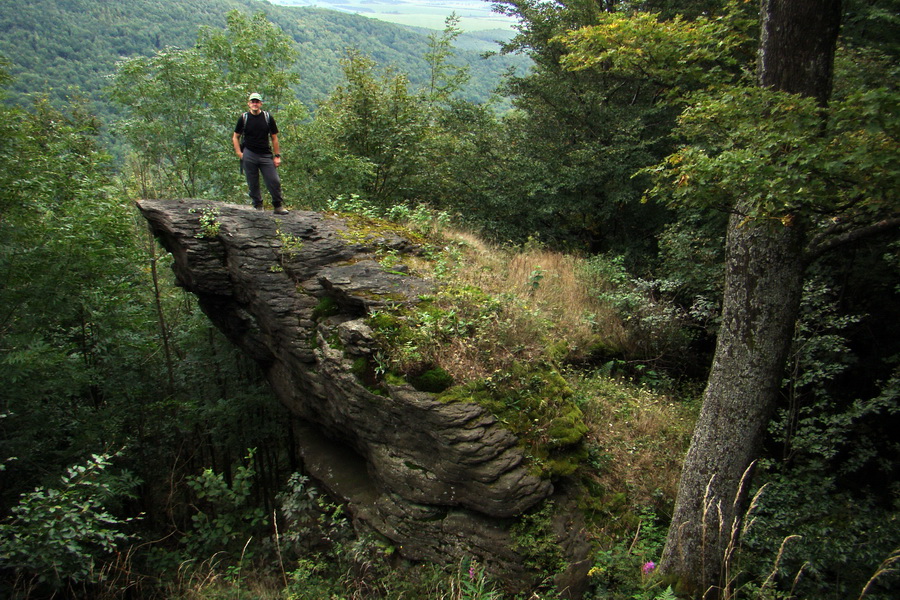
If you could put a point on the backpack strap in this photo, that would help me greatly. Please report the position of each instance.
(244, 132)
(247, 116)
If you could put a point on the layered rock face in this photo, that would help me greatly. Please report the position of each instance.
(441, 480)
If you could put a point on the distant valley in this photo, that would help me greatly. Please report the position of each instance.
(475, 15)
(65, 48)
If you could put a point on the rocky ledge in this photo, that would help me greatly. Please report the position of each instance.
(442, 481)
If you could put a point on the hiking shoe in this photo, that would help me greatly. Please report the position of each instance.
(280, 210)
(257, 206)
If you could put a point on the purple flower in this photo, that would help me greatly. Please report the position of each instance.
(472, 572)
(648, 567)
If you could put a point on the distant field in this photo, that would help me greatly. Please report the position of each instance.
(475, 15)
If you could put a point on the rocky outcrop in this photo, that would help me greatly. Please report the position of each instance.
(441, 480)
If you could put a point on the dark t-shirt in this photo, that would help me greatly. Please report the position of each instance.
(256, 138)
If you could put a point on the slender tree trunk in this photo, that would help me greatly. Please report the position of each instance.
(763, 285)
(160, 315)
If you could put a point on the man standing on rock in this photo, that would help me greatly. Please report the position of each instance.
(251, 143)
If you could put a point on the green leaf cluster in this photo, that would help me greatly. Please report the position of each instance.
(226, 516)
(770, 148)
(676, 54)
(60, 534)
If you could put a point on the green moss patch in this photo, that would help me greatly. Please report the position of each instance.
(326, 307)
(363, 229)
(434, 380)
(534, 402)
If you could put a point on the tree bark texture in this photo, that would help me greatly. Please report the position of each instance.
(763, 285)
(796, 46)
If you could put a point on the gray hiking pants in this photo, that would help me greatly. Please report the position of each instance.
(256, 164)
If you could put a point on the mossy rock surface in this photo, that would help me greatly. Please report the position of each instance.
(534, 402)
(326, 307)
(363, 229)
(434, 380)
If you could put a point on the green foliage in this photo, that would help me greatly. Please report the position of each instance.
(291, 245)
(209, 222)
(253, 55)
(308, 515)
(677, 54)
(421, 219)
(534, 404)
(841, 537)
(96, 350)
(657, 326)
(182, 104)
(86, 359)
(770, 148)
(434, 380)
(445, 79)
(315, 531)
(827, 444)
(375, 119)
(872, 25)
(178, 112)
(763, 127)
(819, 353)
(62, 535)
(692, 250)
(473, 584)
(575, 142)
(626, 571)
(72, 294)
(326, 307)
(225, 514)
(535, 540)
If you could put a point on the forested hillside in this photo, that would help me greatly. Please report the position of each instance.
(666, 276)
(59, 46)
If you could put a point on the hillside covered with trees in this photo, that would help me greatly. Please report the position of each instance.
(65, 47)
(685, 226)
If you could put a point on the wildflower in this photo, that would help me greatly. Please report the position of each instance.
(472, 572)
(648, 567)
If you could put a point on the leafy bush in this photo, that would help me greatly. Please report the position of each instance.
(831, 486)
(61, 535)
(626, 571)
(226, 514)
(656, 328)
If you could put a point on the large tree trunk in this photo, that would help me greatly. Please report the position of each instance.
(764, 280)
(796, 46)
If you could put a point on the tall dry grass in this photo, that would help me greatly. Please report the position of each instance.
(544, 309)
(638, 439)
(637, 436)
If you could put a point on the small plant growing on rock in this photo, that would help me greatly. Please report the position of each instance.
(209, 222)
(290, 245)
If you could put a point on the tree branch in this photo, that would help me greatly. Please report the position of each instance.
(816, 248)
